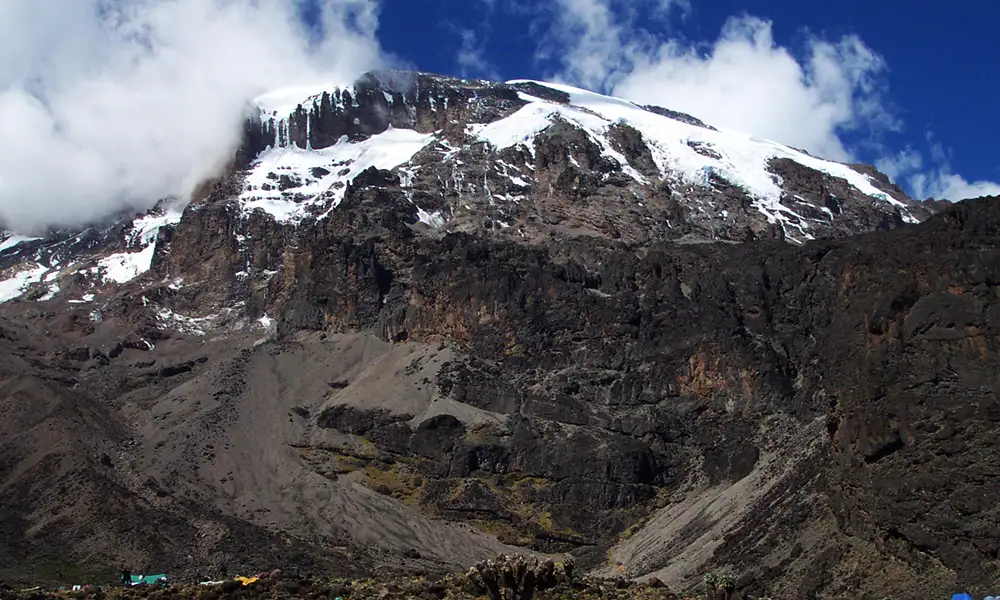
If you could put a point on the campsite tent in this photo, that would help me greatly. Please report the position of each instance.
(158, 579)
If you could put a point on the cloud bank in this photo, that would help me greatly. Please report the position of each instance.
(749, 83)
(107, 105)
(743, 80)
(936, 180)
(814, 98)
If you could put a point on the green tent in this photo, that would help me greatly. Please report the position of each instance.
(149, 579)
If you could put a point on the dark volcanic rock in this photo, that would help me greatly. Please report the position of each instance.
(623, 376)
(779, 328)
(677, 116)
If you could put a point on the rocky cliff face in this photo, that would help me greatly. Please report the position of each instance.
(480, 321)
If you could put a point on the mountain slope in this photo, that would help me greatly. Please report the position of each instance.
(763, 396)
(480, 321)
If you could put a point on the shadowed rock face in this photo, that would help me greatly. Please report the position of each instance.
(618, 381)
(364, 391)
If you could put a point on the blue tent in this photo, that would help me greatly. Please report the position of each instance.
(158, 579)
(962, 596)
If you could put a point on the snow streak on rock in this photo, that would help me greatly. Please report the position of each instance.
(126, 266)
(9, 240)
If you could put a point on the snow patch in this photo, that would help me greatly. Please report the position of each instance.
(434, 219)
(51, 278)
(13, 239)
(16, 285)
(185, 324)
(523, 126)
(320, 177)
(126, 266)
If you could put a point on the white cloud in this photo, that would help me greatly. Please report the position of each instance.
(110, 104)
(588, 40)
(944, 185)
(936, 181)
(743, 81)
(470, 59)
(904, 162)
(597, 42)
(664, 8)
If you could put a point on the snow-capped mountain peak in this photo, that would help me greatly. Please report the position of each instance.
(521, 160)
(306, 157)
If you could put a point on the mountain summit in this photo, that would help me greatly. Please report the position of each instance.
(422, 320)
(538, 157)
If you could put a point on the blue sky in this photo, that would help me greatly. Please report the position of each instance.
(936, 86)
